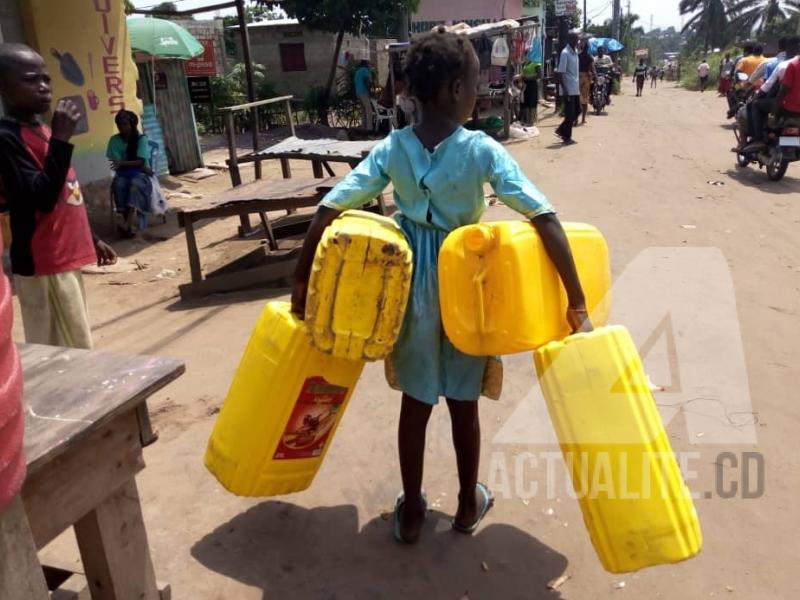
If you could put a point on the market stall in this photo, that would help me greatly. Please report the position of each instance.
(503, 48)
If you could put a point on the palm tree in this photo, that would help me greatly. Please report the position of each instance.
(709, 25)
(748, 16)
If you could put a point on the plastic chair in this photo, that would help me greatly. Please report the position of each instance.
(142, 217)
(381, 114)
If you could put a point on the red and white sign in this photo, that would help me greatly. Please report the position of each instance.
(205, 64)
(566, 8)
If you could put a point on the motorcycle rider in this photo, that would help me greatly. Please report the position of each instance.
(603, 65)
(747, 50)
(767, 100)
(789, 95)
(767, 68)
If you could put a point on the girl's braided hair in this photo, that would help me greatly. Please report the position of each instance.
(436, 59)
(132, 151)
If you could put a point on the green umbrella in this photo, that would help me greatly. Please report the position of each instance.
(162, 38)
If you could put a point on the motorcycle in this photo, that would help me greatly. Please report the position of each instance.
(600, 93)
(782, 147)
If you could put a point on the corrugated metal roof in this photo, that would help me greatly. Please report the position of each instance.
(268, 23)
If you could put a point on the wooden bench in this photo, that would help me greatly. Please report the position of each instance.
(86, 417)
(260, 266)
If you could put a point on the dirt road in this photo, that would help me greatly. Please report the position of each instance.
(653, 173)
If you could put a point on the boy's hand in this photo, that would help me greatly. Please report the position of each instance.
(105, 254)
(578, 319)
(114, 165)
(299, 292)
(65, 120)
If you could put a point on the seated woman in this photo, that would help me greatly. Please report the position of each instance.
(129, 154)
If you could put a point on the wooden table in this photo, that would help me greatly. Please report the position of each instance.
(258, 197)
(83, 448)
(319, 152)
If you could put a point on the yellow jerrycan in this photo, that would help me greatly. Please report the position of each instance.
(359, 286)
(501, 294)
(636, 506)
(284, 405)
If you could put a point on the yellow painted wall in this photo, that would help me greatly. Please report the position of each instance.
(86, 48)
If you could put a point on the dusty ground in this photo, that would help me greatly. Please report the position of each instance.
(640, 174)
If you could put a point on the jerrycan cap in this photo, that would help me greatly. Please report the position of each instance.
(480, 238)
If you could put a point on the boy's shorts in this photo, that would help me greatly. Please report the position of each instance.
(54, 310)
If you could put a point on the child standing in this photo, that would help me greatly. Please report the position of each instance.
(51, 238)
(438, 169)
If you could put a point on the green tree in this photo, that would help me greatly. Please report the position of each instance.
(164, 7)
(756, 16)
(777, 28)
(575, 20)
(661, 41)
(356, 17)
(708, 26)
(128, 7)
(252, 14)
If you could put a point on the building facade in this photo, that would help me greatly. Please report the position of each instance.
(86, 49)
(297, 58)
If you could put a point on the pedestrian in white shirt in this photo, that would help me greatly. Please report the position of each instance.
(702, 72)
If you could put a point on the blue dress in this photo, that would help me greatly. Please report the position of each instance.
(435, 193)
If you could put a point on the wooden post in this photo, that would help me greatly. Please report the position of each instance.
(20, 572)
(114, 550)
(191, 247)
(248, 70)
(233, 168)
(286, 168)
(256, 142)
(290, 117)
(233, 161)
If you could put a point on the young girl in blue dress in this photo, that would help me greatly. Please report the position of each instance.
(438, 170)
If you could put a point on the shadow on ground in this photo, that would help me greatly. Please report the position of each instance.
(292, 552)
(757, 178)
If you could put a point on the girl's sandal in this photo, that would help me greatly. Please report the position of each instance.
(488, 502)
(398, 510)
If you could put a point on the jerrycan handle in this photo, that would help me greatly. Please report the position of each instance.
(478, 281)
(480, 240)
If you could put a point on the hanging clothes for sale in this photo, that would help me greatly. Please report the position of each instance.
(535, 53)
(483, 48)
(518, 48)
(496, 78)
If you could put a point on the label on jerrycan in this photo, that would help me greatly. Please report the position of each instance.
(312, 419)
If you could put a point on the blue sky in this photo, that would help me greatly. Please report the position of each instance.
(664, 12)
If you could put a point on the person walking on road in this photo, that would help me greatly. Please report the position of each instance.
(362, 80)
(653, 77)
(587, 74)
(639, 76)
(702, 72)
(568, 73)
